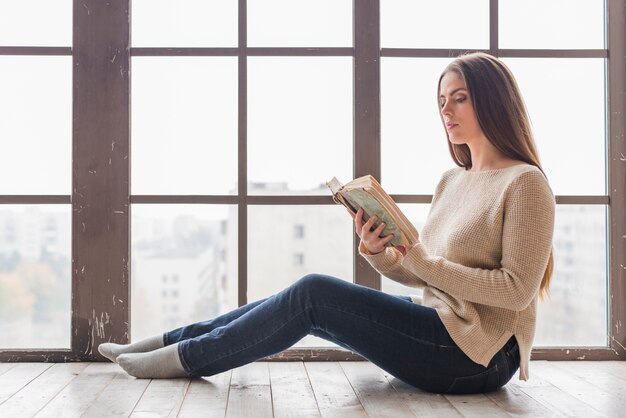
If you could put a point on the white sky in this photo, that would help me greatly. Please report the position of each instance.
(184, 124)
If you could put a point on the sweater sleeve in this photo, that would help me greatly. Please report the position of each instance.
(388, 263)
(526, 245)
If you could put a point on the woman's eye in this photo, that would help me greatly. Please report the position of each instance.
(461, 99)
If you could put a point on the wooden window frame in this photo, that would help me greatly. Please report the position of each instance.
(101, 200)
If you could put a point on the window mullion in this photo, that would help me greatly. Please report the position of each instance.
(242, 208)
(366, 109)
(101, 172)
(617, 175)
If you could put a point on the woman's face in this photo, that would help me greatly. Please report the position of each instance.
(457, 110)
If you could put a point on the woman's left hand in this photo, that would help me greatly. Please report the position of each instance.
(370, 236)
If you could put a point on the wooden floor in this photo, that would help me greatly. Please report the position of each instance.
(295, 389)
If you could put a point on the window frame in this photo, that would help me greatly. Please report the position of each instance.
(102, 203)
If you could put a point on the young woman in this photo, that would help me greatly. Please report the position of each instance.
(482, 259)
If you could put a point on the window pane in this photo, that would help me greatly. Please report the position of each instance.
(566, 103)
(414, 150)
(184, 125)
(36, 124)
(184, 265)
(326, 248)
(576, 313)
(300, 23)
(416, 213)
(299, 122)
(556, 24)
(434, 24)
(35, 276)
(184, 23)
(36, 23)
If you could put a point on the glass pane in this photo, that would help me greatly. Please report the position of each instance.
(36, 125)
(184, 125)
(299, 23)
(184, 23)
(434, 24)
(36, 23)
(566, 103)
(417, 214)
(325, 247)
(414, 150)
(184, 265)
(576, 313)
(35, 276)
(556, 24)
(299, 122)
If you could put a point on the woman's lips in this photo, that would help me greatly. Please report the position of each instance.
(450, 126)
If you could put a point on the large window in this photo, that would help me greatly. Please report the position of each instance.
(172, 178)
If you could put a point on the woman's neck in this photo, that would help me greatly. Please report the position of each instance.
(486, 157)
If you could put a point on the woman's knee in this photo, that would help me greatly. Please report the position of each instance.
(318, 283)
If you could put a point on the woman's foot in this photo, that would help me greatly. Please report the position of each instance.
(112, 350)
(158, 364)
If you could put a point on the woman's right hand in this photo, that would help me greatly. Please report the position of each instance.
(372, 240)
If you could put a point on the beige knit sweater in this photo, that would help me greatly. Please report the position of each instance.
(481, 256)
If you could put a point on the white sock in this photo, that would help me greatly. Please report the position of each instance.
(162, 363)
(112, 350)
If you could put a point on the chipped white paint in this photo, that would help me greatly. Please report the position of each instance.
(118, 211)
(90, 345)
(618, 343)
(99, 323)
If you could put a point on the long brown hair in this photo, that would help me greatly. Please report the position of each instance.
(501, 115)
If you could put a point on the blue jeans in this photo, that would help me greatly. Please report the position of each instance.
(406, 339)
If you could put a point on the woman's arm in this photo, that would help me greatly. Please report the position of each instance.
(389, 264)
(386, 260)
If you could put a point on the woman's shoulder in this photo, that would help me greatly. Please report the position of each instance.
(528, 180)
(525, 173)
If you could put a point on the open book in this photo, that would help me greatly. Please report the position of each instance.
(365, 192)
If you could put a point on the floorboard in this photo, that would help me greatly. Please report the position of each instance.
(18, 377)
(250, 393)
(297, 389)
(333, 391)
(77, 396)
(207, 397)
(162, 398)
(41, 390)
